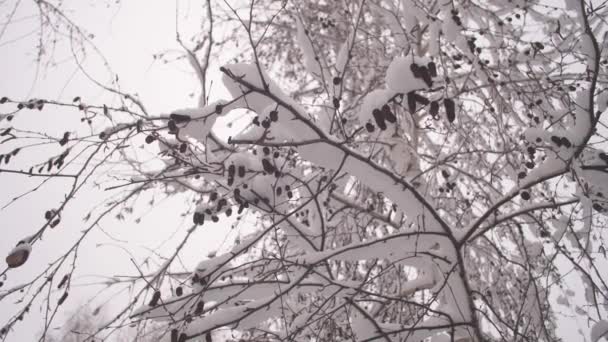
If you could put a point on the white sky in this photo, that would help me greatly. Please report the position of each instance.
(128, 34)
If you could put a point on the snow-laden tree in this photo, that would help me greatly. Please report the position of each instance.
(411, 170)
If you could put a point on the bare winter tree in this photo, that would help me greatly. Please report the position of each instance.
(414, 170)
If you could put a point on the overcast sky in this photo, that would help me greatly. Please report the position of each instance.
(128, 34)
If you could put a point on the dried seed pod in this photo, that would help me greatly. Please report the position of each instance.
(434, 110)
(155, 299)
(369, 127)
(172, 126)
(415, 70)
(266, 123)
(379, 118)
(450, 109)
(179, 118)
(557, 140)
(421, 99)
(65, 139)
(411, 101)
(432, 69)
(426, 76)
(268, 167)
(63, 281)
(388, 114)
(274, 116)
(150, 139)
(200, 307)
(63, 298)
(19, 255)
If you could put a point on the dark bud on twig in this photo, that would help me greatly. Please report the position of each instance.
(379, 118)
(268, 167)
(450, 109)
(17, 258)
(155, 299)
(336, 103)
(369, 127)
(179, 291)
(182, 338)
(63, 281)
(65, 139)
(198, 218)
(76, 99)
(172, 126)
(274, 116)
(432, 69)
(337, 80)
(200, 307)
(426, 76)
(174, 334)
(388, 114)
(415, 70)
(434, 110)
(411, 102)
(63, 298)
(557, 140)
(179, 118)
(150, 139)
(3, 100)
(538, 45)
(266, 123)
(183, 148)
(421, 99)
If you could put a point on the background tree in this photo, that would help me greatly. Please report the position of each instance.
(405, 170)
